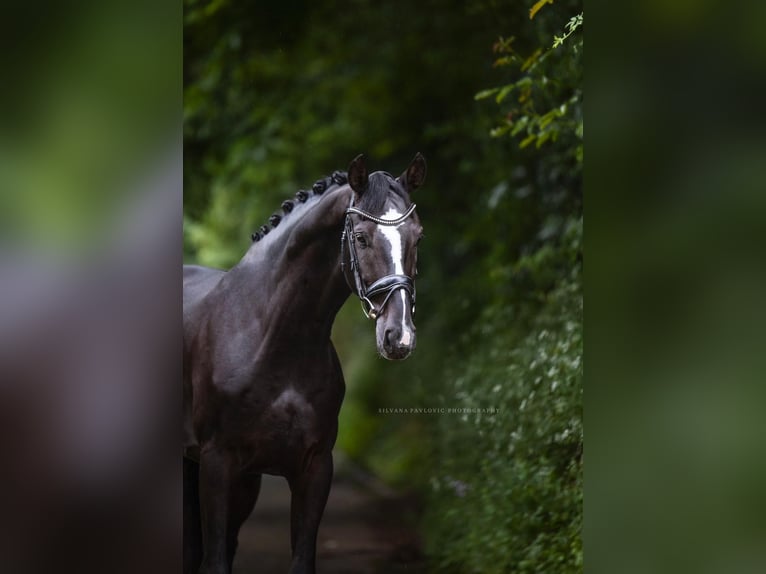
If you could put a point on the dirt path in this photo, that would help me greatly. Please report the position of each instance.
(362, 533)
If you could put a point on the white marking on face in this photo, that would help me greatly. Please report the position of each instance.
(406, 334)
(394, 238)
(391, 233)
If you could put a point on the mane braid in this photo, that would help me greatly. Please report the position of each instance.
(320, 186)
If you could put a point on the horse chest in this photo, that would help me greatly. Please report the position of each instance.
(291, 408)
(288, 425)
(292, 413)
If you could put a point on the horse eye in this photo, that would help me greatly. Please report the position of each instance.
(419, 240)
(361, 239)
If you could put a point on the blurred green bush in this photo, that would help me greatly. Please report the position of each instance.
(506, 477)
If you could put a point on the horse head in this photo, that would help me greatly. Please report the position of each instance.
(382, 233)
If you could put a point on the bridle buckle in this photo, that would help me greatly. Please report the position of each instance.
(368, 308)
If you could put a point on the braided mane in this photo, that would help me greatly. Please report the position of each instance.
(380, 184)
(320, 186)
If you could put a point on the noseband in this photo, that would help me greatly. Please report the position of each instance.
(386, 285)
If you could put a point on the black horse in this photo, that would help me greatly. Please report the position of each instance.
(262, 382)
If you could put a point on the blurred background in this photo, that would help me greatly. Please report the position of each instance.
(90, 251)
(279, 94)
(676, 182)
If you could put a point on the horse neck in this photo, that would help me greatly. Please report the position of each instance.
(295, 275)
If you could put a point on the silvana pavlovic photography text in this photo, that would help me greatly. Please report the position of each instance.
(438, 410)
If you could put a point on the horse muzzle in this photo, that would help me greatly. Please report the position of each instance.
(395, 331)
(397, 345)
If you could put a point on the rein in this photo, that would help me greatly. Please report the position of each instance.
(386, 285)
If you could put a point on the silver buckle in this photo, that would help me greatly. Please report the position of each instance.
(368, 308)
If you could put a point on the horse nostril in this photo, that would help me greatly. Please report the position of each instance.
(391, 338)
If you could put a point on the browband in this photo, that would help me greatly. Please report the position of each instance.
(380, 220)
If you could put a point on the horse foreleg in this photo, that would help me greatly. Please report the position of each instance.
(192, 543)
(310, 490)
(227, 496)
(243, 497)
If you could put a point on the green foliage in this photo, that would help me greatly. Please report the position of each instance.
(506, 483)
(574, 23)
(548, 92)
(507, 486)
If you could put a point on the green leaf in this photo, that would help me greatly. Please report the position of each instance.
(529, 62)
(521, 123)
(485, 93)
(504, 61)
(527, 140)
(498, 131)
(538, 5)
(548, 118)
(504, 92)
(524, 82)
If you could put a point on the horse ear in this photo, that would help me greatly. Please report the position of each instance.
(357, 174)
(415, 174)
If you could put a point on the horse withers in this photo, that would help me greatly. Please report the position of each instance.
(262, 383)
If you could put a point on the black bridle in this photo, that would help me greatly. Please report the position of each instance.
(385, 285)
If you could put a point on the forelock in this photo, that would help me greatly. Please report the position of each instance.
(379, 186)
